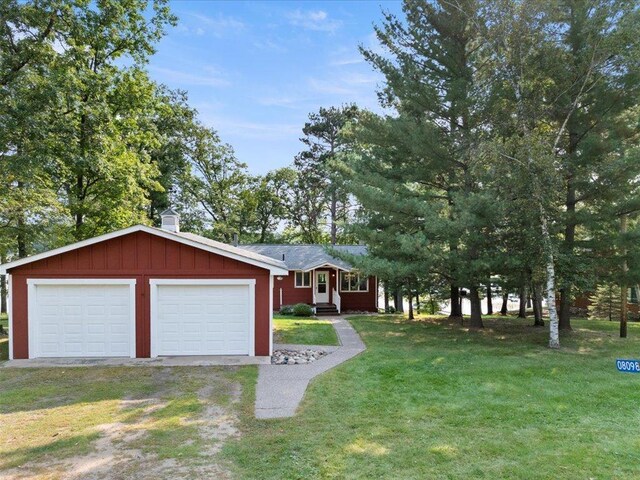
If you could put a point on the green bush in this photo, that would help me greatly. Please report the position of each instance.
(286, 310)
(302, 310)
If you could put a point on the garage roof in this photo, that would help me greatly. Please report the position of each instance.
(276, 267)
(307, 257)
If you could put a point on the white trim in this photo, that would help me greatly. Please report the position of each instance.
(352, 291)
(274, 266)
(155, 282)
(81, 281)
(32, 284)
(10, 314)
(295, 284)
(325, 265)
(202, 281)
(271, 314)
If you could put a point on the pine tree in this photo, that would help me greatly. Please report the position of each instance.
(605, 302)
(416, 173)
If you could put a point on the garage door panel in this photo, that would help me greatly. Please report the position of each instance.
(202, 320)
(93, 320)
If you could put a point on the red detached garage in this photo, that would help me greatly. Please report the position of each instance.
(142, 292)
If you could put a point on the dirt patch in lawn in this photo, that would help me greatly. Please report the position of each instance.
(173, 431)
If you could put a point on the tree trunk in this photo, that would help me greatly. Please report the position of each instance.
(554, 334)
(397, 301)
(610, 306)
(334, 213)
(522, 311)
(3, 288)
(410, 304)
(489, 300)
(79, 217)
(386, 297)
(21, 236)
(456, 310)
(476, 308)
(505, 300)
(565, 308)
(537, 305)
(417, 302)
(623, 284)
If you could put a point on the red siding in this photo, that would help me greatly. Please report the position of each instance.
(140, 256)
(290, 294)
(360, 301)
(584, 300)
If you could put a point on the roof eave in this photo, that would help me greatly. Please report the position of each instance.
(275, 267)
(308, 268)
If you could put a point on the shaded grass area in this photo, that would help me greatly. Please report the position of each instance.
(431, 399)
(303, 331)
(49, 415)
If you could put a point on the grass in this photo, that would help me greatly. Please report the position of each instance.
(430, 399)
(303, 331)
(55, 415)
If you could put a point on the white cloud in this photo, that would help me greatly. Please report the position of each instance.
(252, 130)
(341, 62)
(345, 84)
(184, 78)
(269, 45)
(218, 26)
(317, 20)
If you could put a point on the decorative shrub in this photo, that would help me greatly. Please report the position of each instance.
(286, 310)
(302, 310)
(391, 309)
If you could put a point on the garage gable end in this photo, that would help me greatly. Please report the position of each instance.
(106, 254)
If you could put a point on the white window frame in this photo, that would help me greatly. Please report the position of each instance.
(32, 285)
(342, 273)
(249, 282)
(295, 278)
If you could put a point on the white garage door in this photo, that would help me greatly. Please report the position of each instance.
(202, 319)
(87, 320)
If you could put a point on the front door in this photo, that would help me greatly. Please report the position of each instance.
(322, 286)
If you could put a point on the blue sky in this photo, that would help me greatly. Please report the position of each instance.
(254, 70)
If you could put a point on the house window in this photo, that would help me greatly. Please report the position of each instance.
(353, 282)
(303, 279)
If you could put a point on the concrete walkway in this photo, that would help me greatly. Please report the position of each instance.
(280, 388)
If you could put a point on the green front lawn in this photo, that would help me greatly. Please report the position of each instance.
(303, 331)
(430, 399)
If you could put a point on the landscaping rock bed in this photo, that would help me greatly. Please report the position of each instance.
(296, 357)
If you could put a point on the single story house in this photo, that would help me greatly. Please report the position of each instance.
(143, 292)
(318, 278)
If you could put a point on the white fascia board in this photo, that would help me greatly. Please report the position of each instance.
(325, 265)
(267, 264)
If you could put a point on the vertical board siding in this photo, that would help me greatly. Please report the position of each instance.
(140, 256)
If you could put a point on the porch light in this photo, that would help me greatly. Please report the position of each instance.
(278, 278)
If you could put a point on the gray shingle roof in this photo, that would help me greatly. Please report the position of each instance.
(169, 211)
(306, 257)
(231, 249)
